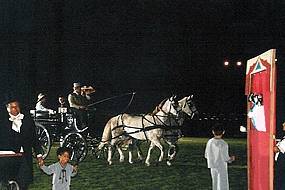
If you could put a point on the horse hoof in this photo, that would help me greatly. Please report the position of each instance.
(110, 163)
(168, 163)
(121, 160)
(131, 162)
(147, 164)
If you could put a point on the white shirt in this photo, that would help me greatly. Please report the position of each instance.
(40, 107)
(60, 179)
(16, 121)
(217, 153)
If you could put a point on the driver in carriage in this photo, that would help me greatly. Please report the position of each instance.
(78, 101)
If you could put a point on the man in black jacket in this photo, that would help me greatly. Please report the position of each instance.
(17, 133)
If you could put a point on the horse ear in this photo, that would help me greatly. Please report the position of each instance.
(173, 97)
(190, 97)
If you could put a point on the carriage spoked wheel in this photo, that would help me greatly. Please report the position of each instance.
(44, 138)
(77, 144)
(13, 185)
(9, 185)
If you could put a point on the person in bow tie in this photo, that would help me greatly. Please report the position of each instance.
(17, 134)
(62, 170)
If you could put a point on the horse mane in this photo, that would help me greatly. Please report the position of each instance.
(157, 108)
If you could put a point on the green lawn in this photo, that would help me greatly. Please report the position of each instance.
(189, 170)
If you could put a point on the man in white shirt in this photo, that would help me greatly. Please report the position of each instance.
(17, 134)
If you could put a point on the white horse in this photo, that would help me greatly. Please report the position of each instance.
(171, 130)
(142, 127)
(173, 133)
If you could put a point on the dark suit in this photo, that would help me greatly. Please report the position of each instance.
(279, 172)
(20, 168)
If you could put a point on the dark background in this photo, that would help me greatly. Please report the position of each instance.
(153, 47)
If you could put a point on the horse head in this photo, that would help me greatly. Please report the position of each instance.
(169, 106)
(187, 106)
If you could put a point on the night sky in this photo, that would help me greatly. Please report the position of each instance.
(156, 48)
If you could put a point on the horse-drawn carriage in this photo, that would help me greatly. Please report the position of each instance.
(63, 127)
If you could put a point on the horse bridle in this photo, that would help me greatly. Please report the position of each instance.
(174, 105)
(192, 107)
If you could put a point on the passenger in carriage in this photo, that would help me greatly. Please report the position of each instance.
(41, 104)
(62, 102)
(63, 108)
(78, 101)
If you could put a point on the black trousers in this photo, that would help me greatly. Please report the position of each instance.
(280, 172)
(81, 117)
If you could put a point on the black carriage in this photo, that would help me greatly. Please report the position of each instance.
(64, 129)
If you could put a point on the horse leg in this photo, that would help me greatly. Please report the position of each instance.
(131, 156)
(172, 148)
(148, 153)
(122, 157)
(135, 146)
(172, 151)
(130, 150)
(110, 151)
(157, 143)
(139, 152)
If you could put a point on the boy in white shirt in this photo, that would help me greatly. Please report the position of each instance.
(217, 155)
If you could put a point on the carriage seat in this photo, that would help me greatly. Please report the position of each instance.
(43, 115)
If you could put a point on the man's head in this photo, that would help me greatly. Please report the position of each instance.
(77, 87)
(41, 97)
(13, 107)
(61, 99)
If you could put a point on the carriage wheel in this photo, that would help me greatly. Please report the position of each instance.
(13, 185)
(44, 138)
(77, 144)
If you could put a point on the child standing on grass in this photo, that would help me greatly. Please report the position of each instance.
(217, 155)
(62, 171)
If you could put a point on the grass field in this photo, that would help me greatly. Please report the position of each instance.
(189, 170)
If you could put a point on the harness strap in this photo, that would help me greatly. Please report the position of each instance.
(143, 128)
